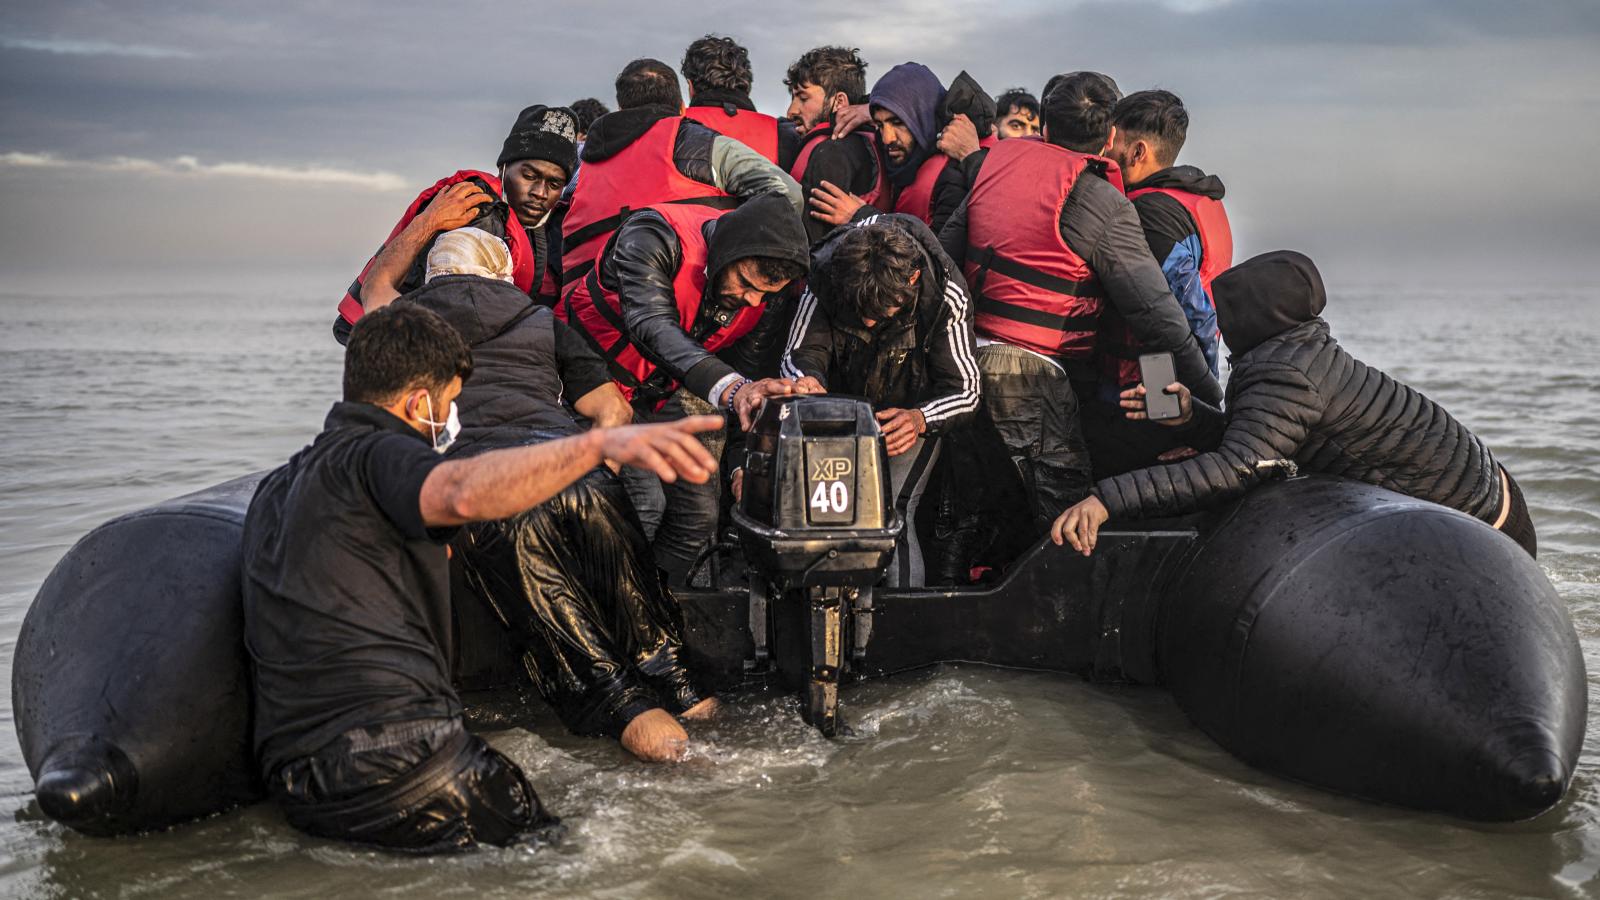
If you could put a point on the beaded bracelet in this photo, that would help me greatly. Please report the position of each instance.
(734, 392)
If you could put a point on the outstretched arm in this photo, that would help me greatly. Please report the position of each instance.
(1273, 409)
(502, 483)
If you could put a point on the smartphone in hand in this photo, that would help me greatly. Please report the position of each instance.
(1155, 373)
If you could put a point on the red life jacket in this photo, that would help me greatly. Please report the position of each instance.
(522, 255)
(641, 174)
(1032, 290)
(596, 311)
(823, 132)
(916, 198)
(1121, 348)
(758, 131)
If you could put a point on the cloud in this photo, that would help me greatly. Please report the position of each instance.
(67, 47)
(190, 166)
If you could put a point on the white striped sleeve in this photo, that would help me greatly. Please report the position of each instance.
(797, 334)
(964, 400)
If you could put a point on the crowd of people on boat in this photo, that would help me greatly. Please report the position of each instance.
(551, 364)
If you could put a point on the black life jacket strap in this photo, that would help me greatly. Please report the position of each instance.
(1036, 317)
(609, 224)
(609, 355)
(988, 261)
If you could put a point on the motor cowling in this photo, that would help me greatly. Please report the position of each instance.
(817, 508)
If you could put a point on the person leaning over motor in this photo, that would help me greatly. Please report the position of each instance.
(1296, 396)
(885, 316)
(684, 319)
(346, 595)
(1047, 239)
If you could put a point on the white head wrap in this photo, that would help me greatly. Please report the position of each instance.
(469, 251)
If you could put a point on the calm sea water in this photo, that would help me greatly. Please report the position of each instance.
(961, 782)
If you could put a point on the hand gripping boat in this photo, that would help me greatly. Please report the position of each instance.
(1324, 630)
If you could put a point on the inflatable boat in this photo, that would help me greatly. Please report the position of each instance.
(1323, 630)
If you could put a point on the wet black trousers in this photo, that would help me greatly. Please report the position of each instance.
(574, 581)
(417, 786)
(1034, 409)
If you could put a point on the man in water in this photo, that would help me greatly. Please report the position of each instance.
(572, 578)
(1296, 395)
(885, 317)
(346, 586)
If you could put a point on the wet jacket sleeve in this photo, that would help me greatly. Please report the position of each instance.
(1100, 225)
(952, 361)
(1271, 412)
(640, 267)
(810, 341)
(724, 163)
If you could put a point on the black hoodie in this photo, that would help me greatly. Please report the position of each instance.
(524, 361)
(1296, 394)
(642, 259)
(1166, 223)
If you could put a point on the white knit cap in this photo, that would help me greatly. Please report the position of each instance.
(469, 251)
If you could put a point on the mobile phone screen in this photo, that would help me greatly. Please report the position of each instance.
(1156, 372)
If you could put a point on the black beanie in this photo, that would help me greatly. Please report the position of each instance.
(549, 133)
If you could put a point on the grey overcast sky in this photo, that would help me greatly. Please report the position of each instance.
(1417, 140)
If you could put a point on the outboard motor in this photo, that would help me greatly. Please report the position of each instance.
(818, 525)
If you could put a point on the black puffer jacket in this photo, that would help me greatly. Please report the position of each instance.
(1298, 395)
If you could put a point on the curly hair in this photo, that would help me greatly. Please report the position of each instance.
(871, 269)
(717, 63)
(834, 69)
(587, 110)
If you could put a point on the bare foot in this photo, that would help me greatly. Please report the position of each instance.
(701, 711)
(655, 736)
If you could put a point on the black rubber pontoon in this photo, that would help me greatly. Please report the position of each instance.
(1331, 632)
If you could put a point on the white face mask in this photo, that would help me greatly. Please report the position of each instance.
(443, 433)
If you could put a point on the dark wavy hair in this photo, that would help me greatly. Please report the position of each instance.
(400, 347)
(1077, 110)
(717, 63)
(834, 69)
(1018, 98)
(1157, 117)
(587, 110)
(871, 267)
